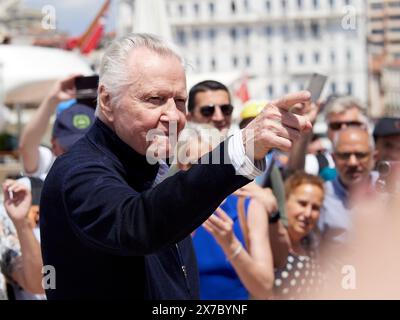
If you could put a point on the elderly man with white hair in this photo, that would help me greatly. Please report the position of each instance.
(105, 229)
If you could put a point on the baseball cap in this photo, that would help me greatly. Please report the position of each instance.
(387, 127)
(251, 109)
(72, 124)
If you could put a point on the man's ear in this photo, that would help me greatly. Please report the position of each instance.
(105, 104)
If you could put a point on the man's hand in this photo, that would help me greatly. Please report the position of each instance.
(64, 89)
(276, 126)
(17, 200)
(262, 195)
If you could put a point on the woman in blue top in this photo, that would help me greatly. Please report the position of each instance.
(235, 264)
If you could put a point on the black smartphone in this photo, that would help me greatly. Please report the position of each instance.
(316, 85)
(86, 90)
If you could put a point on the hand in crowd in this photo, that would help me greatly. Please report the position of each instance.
(262, 195)
(308, 109)
(276, 126)
(220, 226)
(64, 89)
(17, 200)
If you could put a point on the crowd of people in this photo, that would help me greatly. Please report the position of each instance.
(259, 209)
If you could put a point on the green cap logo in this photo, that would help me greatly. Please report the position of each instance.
(81, 121)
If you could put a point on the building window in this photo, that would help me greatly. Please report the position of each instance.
(285, 59)
(349, 88)
(269, 60)
(315, 4)
(181, 35)
(246, 5)
(299, 4)
(300, 58)
(270, 90)
(196, 34)
(198, 62)
(246, 32)
(348, 56)
(285, 88)
(316, 57)
(332, 3)
(213, 64)
(315, 30)
(196, 9)
(248, 61)
(233, 7)
(181, 9)
(333, 57)
(283, 4)
(347, 2)
(211, 8)
(268, 5)
(300, 30)
(301, 86)
(333, 87)
(211, 34)
(233, 33)
(268, 31)
(235, 61)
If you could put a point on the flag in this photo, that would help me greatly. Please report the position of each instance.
(243, 91)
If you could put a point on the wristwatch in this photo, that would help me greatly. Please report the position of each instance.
(274, 218)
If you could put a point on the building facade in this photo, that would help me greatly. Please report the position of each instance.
(276, 44)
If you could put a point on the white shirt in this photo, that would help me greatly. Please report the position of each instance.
(46, 159)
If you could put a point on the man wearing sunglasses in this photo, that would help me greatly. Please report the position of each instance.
(353, 153)
(340, 113)
(210, 102)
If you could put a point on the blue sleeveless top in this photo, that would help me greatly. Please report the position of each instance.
(218, 279)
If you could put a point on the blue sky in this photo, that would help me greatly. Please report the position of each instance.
(74, 16)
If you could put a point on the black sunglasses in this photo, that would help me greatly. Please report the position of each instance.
(208, 111)
(339, 125)
(346, 155)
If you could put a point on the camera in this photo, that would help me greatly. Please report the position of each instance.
(389, 177)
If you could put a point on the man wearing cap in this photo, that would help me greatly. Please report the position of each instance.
(70, 125)
(387, 139)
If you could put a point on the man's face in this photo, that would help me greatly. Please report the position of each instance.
(220, 118)
(337, 121)
(353, 156)
(156, 99)
(388, 148)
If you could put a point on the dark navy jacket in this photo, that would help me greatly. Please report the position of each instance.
(109, 235)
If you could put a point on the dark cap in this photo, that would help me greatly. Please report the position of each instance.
(387, 127)
(72, 124)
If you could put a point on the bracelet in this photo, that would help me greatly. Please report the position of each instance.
(236, 253)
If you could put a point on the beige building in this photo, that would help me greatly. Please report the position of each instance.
(384, 54)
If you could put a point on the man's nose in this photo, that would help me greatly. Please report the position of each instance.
(171, 111)
(217, 115)
(353, 159)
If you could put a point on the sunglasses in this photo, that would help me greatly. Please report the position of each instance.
(208, 111)
(339, 125)
(346, 155)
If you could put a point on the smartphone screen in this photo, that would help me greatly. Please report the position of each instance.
(316, 85)
(86, 90)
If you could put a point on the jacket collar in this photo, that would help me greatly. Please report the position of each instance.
(134, 164)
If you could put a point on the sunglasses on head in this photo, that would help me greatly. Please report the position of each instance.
(339, 125)
(208, 111)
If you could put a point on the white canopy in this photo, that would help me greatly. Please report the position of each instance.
(27, 72)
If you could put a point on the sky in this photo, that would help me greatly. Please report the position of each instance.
(74, 16)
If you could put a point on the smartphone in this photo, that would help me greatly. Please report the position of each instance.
(86, 90)
(316, 85)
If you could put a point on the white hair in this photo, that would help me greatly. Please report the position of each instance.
(337, 135)
(114, 74)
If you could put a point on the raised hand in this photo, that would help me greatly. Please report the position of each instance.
(17, 200)
(276, 126)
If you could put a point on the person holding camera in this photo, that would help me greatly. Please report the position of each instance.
(70, 125)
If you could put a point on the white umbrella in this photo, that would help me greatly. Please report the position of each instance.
(28, 72)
